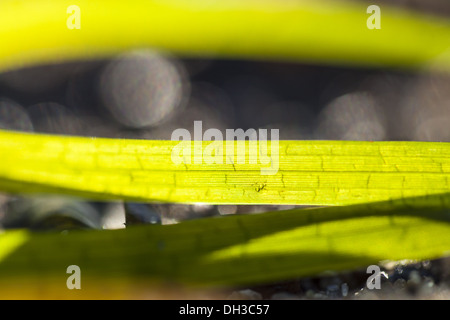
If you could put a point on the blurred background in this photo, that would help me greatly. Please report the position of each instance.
(145, 94)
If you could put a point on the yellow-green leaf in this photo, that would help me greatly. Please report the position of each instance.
(335, 32)
(309, 172)
(235, 250)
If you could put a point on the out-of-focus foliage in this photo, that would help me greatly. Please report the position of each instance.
(318, 31)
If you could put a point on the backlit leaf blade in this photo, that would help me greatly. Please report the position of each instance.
(309, 173)
(333, 32)
(236, 250)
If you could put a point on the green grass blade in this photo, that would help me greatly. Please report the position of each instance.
(335, 32)
(236, 250)
(310, 172)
